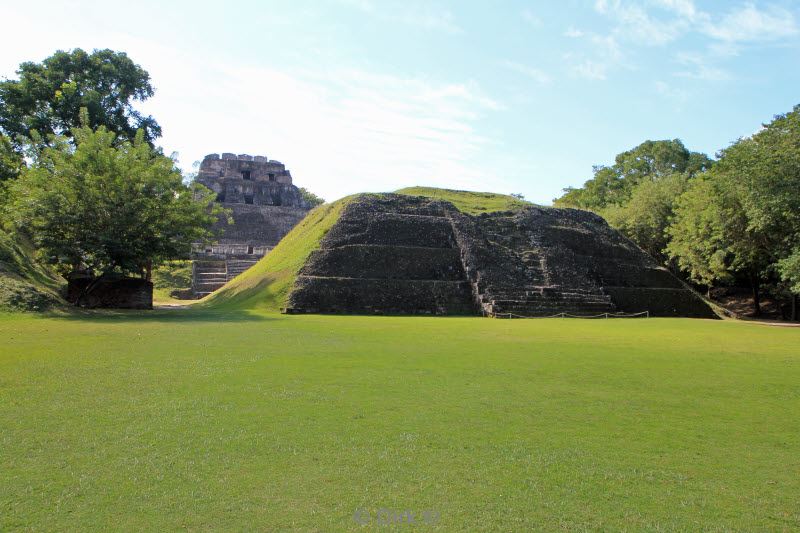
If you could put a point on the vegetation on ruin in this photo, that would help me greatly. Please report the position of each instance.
(473, 203)
(266, 284)
(208, 420)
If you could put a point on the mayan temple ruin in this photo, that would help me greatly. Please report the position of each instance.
(264, 205)
(397, 254)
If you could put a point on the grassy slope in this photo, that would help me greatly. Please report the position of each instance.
(241, 421)
(24, 284)
(467, 201)
(267, 283)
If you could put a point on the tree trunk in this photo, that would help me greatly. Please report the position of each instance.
(795, 302)
(148, 270)
(756, 296)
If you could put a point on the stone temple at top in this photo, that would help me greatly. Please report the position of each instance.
(264, 205)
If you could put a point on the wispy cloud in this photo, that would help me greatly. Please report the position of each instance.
(591, 70)
(418, 15)
(573, 33)
(660, 22)
(698, 66)
(533, 73)
(749, 23)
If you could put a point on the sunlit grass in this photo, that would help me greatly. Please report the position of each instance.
(258, 421)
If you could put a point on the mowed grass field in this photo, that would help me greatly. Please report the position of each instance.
(199, 420)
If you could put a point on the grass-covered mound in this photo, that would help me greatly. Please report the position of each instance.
(266, 284)
(24, 284)
(204, 420)
(473, 203)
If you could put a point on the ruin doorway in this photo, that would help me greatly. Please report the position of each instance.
(246, 175)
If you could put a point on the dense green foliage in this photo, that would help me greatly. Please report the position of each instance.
(742, 219)
(107, 206)
(469, 202)
(48, 97)
(11, 162)
(312, 199)
(238, 421)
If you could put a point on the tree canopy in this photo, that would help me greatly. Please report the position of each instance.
(109, 206)
(650, 161)
(48, 97)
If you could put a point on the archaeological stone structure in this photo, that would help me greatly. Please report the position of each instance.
(397, 254)
(264, 205)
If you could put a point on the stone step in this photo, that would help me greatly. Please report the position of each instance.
(209, 287)
(209, 275)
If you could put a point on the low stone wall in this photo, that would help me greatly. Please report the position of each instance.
(380, 296)
(110, 293)
(659, 301)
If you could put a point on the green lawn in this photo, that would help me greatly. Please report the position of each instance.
(206, 420)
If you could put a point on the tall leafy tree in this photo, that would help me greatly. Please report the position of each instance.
(109, 206)
(750, 204)
(48, 97)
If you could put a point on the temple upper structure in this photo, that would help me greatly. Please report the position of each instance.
(264, 205)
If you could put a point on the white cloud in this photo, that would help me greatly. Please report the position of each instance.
(591, 70)
(339, 131)
(533, 73)
(573, 33)
(749, 23)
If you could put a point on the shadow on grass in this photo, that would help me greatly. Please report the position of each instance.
(158, 315)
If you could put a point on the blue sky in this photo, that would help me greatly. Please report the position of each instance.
(373, 95)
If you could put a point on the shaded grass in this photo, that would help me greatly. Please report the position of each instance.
(473, 203)
(241, 420)
(24, 284)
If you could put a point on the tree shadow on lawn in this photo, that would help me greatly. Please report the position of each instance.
(177, 316)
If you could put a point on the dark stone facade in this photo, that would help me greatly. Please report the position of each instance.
(397, 254)
(109, 292)
(264, 205)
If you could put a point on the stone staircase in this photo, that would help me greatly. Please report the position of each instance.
(513, 274)
(237, 266)
(209, 275)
